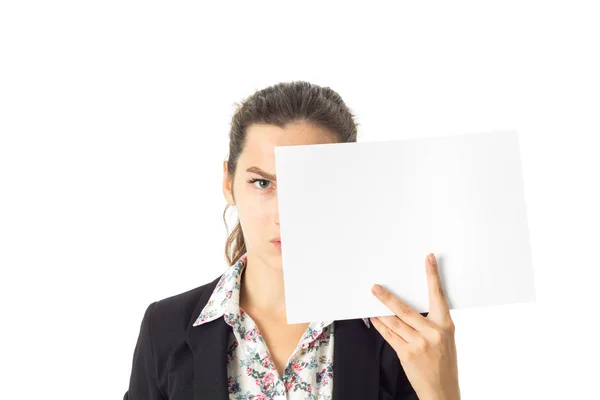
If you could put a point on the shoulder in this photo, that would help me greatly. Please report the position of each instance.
(168, 318)
(162, 341)
(178, 309)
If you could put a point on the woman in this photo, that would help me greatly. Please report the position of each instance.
(228, 339)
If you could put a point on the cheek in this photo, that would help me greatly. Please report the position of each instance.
(254, 224)
(253, 204)
(255, 216)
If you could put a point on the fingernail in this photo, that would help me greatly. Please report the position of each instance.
(377, 289)
(432, 259)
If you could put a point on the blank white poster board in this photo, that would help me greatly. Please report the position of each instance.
(355, 214)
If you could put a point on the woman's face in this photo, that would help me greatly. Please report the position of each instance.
(256, 201)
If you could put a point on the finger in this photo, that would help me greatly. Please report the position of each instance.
(399, 327)
(437, 297)
(400, 309)
(397, 343)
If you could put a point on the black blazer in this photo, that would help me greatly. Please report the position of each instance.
(173, 360)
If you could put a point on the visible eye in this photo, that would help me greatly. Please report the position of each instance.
(260, 180)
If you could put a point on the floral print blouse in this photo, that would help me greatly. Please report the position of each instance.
(251, 371)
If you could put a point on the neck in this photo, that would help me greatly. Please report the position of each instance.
(262, 291)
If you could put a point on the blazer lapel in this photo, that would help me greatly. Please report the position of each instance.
(356, 360)
(208, 343)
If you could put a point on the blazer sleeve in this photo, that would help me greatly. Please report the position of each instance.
(143, 383)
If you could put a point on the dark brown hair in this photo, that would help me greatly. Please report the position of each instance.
(280, 105)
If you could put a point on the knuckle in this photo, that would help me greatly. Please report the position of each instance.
(388, 332)
(418, 347)
(451, 327)
(448, 325)
(396, 324)
(440, 291)
(410, 354)
(404, 308)
(437, 336)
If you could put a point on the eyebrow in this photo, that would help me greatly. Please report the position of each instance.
(262, 173)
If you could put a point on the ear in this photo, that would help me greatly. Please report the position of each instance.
(227, 186)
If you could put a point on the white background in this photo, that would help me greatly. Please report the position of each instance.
(114, 120)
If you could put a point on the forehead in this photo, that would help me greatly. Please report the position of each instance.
(261, 139)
